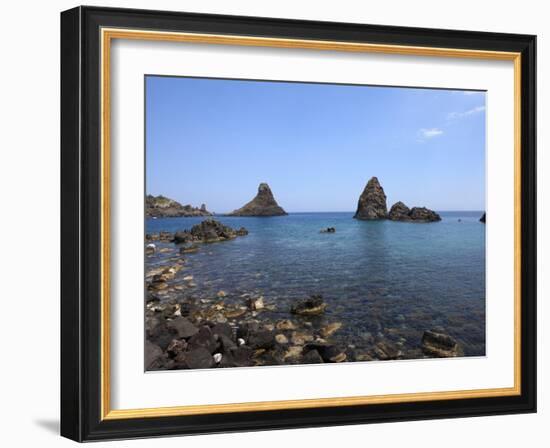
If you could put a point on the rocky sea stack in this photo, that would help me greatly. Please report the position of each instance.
(372, 202)
(483, 218)
(163, 207)
(400, 212)
(264, 204)
(372, 206)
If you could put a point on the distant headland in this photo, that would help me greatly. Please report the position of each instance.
(163, 207)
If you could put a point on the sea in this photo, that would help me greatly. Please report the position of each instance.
(379, 278)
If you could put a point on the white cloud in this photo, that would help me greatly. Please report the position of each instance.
(429, 133)
(475, 110)
(472, 92)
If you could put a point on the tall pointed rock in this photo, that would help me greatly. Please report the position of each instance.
(372, 202)
(264, 204)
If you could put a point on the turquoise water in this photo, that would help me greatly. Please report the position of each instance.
(380, 278)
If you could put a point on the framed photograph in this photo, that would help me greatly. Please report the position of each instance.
(272, 223)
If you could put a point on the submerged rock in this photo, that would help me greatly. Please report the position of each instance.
(255, 303)
(264, 204)
(330, 329)
(312, 306)
(440, 345)
(385, 351)
(372, 202)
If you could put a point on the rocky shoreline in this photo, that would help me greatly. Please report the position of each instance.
(187, 330)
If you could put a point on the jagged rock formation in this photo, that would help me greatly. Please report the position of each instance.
(208, 231)
(264, 204)
(372, 202)
(372, 206)
(400, 212)
(483, 218)
(163, 207)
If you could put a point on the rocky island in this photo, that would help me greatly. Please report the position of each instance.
(372, 202)
(372, 206)
(163, 207)
(400, 212)
(264, 204)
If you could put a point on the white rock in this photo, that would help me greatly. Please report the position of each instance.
(240, 341)
(217, 358)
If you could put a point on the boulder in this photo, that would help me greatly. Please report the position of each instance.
(261, 339)
(238, 357)
(176, 347)
(372, 202)
(264, 204)
(153, 355)
(312, 357)
(199, 358)
(312, 306)
(328, 352)
(330, 329)
(182, 327)
(203, 339)
(385, 351)
(440, 345)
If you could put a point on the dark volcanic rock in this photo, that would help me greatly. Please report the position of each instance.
(261, 339)
(328, 352)
(208, 231)
(199, 358)
(264, 204)
(153, 355)
(161, 206)
(309, 307)
(238, 357)
(372, 202)
(203, 339)
(182, 327)
(483, 218)
(423, 214)
(400, 212)
(440, 345)
(312, 357)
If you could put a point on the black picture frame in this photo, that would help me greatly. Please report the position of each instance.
(81, 224)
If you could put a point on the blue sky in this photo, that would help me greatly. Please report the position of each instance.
(213, 141)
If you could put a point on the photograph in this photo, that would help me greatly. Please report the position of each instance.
(298, 223)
